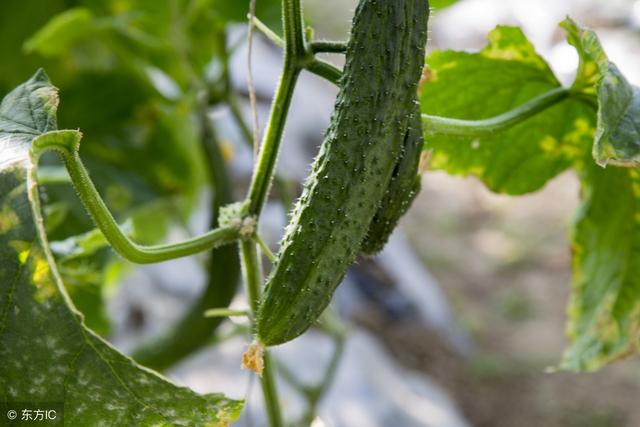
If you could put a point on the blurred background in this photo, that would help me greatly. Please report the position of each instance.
(459, 322)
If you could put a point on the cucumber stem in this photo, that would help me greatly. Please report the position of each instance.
(309, 62)
(264, 247)
(326, 46)
(324, 69)
(435, 125)
(252, 274)
(263, 171)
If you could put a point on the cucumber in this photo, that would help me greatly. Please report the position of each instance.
(353, 169)
(402, 190)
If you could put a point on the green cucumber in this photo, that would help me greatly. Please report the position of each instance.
(402, 190)
(354, 167)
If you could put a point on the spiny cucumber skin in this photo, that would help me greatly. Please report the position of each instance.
(352, 171)
(402, 190)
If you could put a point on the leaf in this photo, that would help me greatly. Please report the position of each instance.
(617, 139)
(83, 245)
(89, 268)
(64, 30)
(505, 74)
(18, 20)
(83, 262)
(47, 353)
(441, 4)
(604, 313)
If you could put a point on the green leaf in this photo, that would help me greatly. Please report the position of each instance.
(47, 353)
(83, 262)
(62, 32)
(89, 268)
(617, 139)
(441, 4)
(505, 74)
(83, 245)
(604, 313)
(18, 20)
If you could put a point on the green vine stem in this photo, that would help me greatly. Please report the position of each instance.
(252, 274)
(299, 55)
(229, 97)
(308, 61)
(434, 125)
(326, 46)
(67, 148)
(294, 54)
(324, 69)
(263, 172)
(264, 247)
(270, 393)
(267, 32)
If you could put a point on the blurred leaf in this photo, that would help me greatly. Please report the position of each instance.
(88, 266)
(83, 245)
(617, 139)
(604, 314)
(441, 4)
(151, 142)
(19, 19)
(47, 352)
(83, 279)
(59, 34)
(81, 262)
(55, 213)
(505, 74)
(53, 175)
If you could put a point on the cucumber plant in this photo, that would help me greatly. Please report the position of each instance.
(513, 132)
(363, 144)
